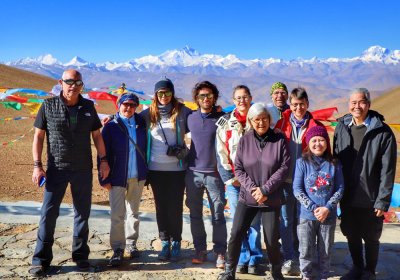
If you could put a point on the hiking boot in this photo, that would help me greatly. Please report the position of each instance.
(200, 257)
(242, 269)
(175, 251)
(228, 274)
(117, 257)
(133, 251)
(165, 253)
(220, 263)
(255, 270)
(38, 270)
(290, 268)
(368, 275)
(353, 274)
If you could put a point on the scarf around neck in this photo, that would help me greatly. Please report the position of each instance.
(299, 123)
(165, 110)
(240, 118)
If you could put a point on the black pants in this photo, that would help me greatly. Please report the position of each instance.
(168, 189)
(56, 185)
(359, 224)
(241, 223)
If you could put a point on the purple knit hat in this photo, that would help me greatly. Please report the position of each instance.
(317, 131)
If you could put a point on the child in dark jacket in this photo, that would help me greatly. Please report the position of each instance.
(318, 186)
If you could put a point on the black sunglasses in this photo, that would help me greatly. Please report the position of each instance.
(71, 82)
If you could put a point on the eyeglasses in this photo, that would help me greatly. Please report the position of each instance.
(301, 105)
(203, 96)
(164, 93)
(258, 121)
(71, 82)
(280, 92)
(240, 98)
(131, 105)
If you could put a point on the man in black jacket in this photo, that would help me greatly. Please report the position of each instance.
(366, 146)
(68, 121)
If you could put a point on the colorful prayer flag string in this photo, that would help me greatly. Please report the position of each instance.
(17, 139)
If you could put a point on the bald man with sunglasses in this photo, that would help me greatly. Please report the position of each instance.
(68, 121)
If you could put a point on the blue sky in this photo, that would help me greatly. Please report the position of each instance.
(103, 30)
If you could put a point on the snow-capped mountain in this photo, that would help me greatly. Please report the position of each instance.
(190, 58)
(377, 68)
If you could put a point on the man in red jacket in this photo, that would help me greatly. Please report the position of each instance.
(294, 124)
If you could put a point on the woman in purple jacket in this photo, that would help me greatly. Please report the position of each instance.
(261, 165)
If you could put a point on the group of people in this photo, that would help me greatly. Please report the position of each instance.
(273, 162)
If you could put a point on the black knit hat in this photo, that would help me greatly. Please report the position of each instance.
(164, 83)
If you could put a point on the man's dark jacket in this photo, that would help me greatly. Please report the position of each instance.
(368, 174)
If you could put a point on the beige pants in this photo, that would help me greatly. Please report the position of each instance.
(124, 204)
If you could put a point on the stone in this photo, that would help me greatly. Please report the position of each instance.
(6, 272)
(16, 253)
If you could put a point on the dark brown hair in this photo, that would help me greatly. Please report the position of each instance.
(205, 84)
(246, 89)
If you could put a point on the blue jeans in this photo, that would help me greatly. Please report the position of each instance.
(250, 252)
(81, 190)
(196, 183)
(287, 229)
(316, 237)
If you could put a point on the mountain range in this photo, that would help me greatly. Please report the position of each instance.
(326, 80)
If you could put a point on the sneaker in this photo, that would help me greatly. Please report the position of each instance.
(83, 265)
(353, 274)
(175, 251)
(255, 270)
(133, 251)
(38, 270)
(290, 268)
(368, 275)
(117, 257)
(220, 263)
(242, 269)
(165, 253)
(200, 257)
(228, 274)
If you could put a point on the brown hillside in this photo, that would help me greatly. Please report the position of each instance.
(388, 105)
(11, 77)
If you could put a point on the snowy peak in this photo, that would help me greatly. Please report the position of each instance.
(190, 51)
(46, 59)
(375, 53)
(77, 61)
(185, 56)
(189, 60)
